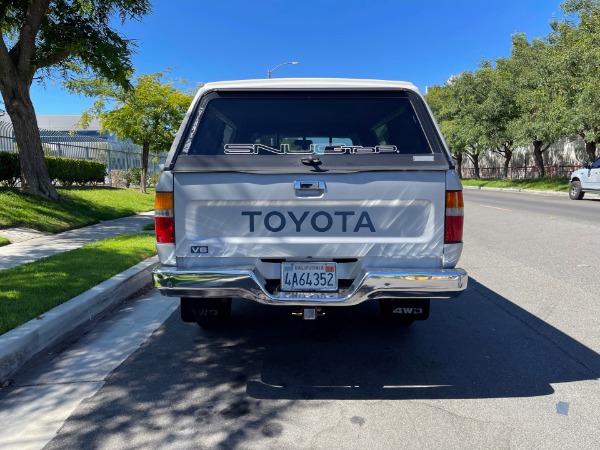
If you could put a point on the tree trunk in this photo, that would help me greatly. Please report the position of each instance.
(507, 158)
(459, 162)
(145, 154)
(474, 157)
(507, 154)
(538, 153)
(34, 171)
(590, 151)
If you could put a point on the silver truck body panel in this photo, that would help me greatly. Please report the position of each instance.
(398, 215)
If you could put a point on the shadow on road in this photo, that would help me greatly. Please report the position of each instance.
(223, 388)
(478, 346)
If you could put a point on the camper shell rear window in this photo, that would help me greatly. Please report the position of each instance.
(362, 129)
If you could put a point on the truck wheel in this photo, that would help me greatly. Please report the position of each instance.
(403, 312)
(206, 312)
(575, 192)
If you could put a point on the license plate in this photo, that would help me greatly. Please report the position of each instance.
(308, 276)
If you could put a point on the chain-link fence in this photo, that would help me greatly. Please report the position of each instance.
(117, 155)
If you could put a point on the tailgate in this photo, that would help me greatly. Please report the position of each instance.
(389, 214)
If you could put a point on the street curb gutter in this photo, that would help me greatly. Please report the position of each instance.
(18, 346)
(517, 190)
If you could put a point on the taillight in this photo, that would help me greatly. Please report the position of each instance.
(164, 223)
(454, 217)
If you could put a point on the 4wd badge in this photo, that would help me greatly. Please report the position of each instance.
(196, 249)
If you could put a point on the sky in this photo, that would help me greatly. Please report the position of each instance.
(424, 42)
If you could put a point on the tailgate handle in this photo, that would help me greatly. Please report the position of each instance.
(309, 188)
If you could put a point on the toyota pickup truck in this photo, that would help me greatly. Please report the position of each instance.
(309, 193)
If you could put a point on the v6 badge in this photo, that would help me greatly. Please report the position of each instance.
(198, 249)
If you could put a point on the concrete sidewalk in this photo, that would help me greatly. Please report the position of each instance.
(40, 245)
(18, 346)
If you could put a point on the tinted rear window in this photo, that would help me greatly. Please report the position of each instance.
(307, 123)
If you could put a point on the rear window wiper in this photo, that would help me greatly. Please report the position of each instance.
(311, 160)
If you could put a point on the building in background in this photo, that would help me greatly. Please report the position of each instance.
(67, 122)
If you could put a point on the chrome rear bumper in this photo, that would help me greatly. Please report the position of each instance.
(246, 283)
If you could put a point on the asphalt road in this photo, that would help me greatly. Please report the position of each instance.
(513, 363)
(586, 210)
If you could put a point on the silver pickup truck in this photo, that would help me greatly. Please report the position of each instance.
(586, 179)
(310, 193)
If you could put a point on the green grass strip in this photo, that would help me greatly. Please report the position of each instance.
(4, 241)
(540, 184)
(29, 291)
(81, 206)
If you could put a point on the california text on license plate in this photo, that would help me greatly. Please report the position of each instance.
(308, 276)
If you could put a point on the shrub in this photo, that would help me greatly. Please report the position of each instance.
(65, 171)
(132, 176)
(68, 171)
(119, 178)
(153, 179)
(10, 168)
(135, 175)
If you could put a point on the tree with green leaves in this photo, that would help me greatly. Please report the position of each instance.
(44, 38)
(547, 89)
(457, 108)
(149, 113)
(541, 120)
(444, 107)
(575, 55)
(497, 110)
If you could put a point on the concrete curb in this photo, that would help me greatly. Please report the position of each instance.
(528, 191)
(18, 346)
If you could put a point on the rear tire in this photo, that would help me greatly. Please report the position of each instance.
(575, 192)
(403, 312)
(206, 312)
